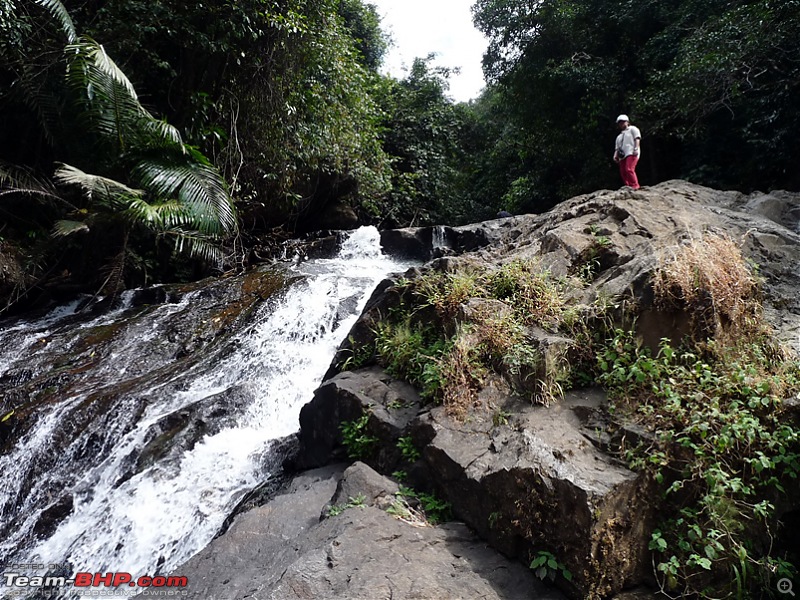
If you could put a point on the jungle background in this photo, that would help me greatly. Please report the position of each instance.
(162, 141)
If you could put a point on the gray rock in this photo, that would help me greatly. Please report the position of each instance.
(391, 405)
(282, 551)
(360, 481)
(516, 480)
(537, 482)
(530, 478)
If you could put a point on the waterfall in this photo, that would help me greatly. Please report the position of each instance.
(134, 498)
(439, 239)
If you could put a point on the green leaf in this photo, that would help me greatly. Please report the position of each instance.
(102, 190)
(59, 11)
(64, 228)
(538, 561)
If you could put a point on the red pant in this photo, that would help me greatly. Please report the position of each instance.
(627, 169)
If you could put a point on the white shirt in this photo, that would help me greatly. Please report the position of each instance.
(625, 141)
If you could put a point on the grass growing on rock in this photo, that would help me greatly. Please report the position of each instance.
(455, 328)
(719, 436)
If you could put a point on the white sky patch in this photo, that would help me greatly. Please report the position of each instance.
(419, 27)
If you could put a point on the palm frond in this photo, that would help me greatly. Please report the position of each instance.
(59, 11)
(159, 216)
(199, 187)
(32, 89)
(103, 190)
(15, 179)
(64, 228)
(161, 131)
(108, 103)
(98, 69)
(196, 245)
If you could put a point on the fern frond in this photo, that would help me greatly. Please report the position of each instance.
(32, 90)
(107, 101)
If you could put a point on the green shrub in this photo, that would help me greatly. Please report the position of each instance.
(412, 352)
(724, 449)
(357, 442)
(546, 566)
(408, 449)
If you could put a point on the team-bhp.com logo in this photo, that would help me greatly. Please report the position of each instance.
(94, 581)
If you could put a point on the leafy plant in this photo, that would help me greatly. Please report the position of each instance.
(412, 352)
(337, 509)
(407, 448)
(546, 566)
(360, 355)
(500, 417)
(433, 509)
(357, 442)
(137, 181)
(722, 454)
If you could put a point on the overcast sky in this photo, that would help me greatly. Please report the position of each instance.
(419, 27)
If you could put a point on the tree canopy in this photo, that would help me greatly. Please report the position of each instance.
(711, 84)
(266, 112)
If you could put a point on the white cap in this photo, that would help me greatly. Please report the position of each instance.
(622, 118)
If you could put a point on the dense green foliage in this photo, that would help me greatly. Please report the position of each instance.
(725, 452)
(284, 101)
(713, 85)
(420, 132)
(278, 92)
(134, 177)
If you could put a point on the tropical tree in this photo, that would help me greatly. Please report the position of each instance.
(420, 132)
(728, 93)
(144, 176)
(710, 82)
(277, 94)
(364, 26)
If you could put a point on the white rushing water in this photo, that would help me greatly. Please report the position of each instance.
(158, 518)
(439, 239)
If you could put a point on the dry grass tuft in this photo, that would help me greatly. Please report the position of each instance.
(710, 279)
(462, 373)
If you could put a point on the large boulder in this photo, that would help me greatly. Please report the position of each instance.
(390, 404)
(286, 550)
(532, 479)
(514, 472)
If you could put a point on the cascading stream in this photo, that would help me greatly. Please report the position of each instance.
(139, 497)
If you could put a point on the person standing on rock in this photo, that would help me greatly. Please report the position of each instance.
(626, 151)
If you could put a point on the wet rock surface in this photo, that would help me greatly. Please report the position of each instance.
(115, 365)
